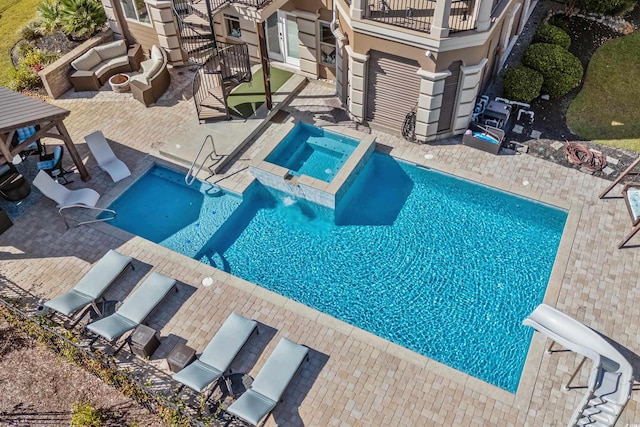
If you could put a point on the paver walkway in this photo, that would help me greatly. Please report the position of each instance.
(353, 378)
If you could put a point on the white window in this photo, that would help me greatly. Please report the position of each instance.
(136, 10)
(327, 45)
(233, 26)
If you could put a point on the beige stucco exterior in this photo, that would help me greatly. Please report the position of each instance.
(479, 48)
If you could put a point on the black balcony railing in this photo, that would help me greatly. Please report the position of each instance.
(418, 14)
(258, 4)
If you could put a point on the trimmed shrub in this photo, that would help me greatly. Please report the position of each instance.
(547, 33)
(522, 84)
(607, 7)
(561, 70)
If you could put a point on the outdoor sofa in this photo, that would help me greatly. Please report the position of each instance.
(154, 80)
(94, 67)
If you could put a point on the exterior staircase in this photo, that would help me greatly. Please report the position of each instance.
(222, 66)
(227, 66)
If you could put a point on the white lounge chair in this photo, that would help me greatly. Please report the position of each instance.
(135, 309)
(62, 195)
(266, 390)
(215, 360)
(107, 161)
(92, 286)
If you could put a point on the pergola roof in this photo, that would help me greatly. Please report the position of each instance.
(18, 110)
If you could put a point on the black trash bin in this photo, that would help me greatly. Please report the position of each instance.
(13, 186)
(5, 221)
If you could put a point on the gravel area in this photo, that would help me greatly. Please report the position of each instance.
(40, 388)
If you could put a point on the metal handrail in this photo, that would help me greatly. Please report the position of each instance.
(190, 177)
(87, 207)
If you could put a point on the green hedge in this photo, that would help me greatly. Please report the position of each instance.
(522, 84)
(607, 7)
(561, 70)
(547, 33)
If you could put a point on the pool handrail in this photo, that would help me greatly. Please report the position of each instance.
(111, 211)
(190, 177)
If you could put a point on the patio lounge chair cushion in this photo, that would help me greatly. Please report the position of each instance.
(62, 195)
(135, 309)
(105, 157)
(92, 285)
(86, 61)
(270, 383)
(53, 162)
(219, 353)
(633, 197)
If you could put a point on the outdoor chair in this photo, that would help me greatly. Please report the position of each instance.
(92, 286)
(631, 194)
(22, 135)
(107, 161)
(52, 164)
(270, 383)
(215, 360)
(63, 196)
(135, 309)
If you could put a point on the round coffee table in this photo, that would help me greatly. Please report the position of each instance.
(119, 83)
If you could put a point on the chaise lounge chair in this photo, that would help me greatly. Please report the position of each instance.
(107, 161)
(270, 383)
(92, 286)
(631, 194)
(63, 196)
(216, 358)
(135, 309)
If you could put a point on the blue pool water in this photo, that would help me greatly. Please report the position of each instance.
(439, 265)
(312, 151)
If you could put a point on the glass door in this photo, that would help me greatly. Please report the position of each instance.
(282, 38)
(291, 47)
(273, 38)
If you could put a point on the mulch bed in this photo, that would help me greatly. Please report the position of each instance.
(550, 115)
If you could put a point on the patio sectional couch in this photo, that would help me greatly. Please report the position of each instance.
(94, 68)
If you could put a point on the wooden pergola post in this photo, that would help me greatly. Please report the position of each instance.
(264, 60)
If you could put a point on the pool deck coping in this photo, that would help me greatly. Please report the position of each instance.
(536, 350)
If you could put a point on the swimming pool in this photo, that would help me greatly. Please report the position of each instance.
(309, 150)
(441, 266)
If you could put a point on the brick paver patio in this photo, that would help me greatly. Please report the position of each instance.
(353, 378)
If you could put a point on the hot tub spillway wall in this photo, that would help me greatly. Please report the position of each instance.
(314, 190)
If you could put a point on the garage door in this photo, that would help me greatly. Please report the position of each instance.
(393, 88)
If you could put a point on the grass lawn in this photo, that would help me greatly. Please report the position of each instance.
(247, 97)
(607, 109)
(14, 14)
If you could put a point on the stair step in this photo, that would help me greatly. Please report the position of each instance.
(597, 414)
(194, 46)
(200, 8)
(604, 406)
(197, 21)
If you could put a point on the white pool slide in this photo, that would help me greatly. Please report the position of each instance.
(611, 378)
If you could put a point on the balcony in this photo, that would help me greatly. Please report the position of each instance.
(417, 15)
(215, 4)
